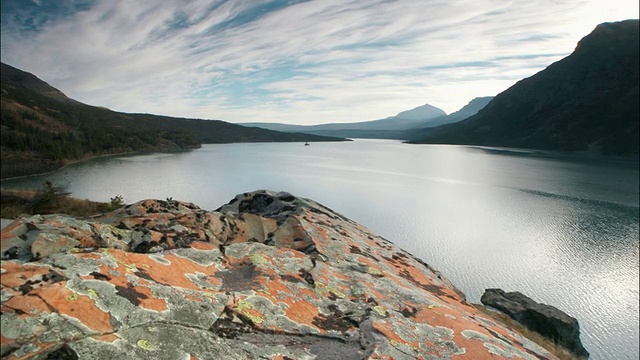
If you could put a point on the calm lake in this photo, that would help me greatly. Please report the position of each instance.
(561, 229)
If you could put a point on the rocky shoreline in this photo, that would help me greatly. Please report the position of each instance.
(269, 276)
(546, 320)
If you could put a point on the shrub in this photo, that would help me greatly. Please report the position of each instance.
(116, 202)
(47, 198)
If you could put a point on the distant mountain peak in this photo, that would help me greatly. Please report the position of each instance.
(466, 111)
(423, 112)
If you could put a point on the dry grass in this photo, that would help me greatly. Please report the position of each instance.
(23, 202)
(556, 349)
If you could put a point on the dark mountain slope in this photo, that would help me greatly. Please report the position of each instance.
(42, 129)
(11, 76)
(586, 101)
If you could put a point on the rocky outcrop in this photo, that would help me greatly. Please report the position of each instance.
(267, 276)
(541, 318)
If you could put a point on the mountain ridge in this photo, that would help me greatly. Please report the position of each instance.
(420, 113)
(587, 101)
(400, 126)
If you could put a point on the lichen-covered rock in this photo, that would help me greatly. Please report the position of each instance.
(268, 276)
(544, 319)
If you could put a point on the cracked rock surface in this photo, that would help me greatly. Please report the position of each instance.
(267, 276)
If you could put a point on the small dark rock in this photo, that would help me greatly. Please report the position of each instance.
(264, 203)
(544, 319)
(307, 277)
(100, 276)
(130, 293)
(11, 253)
(27, 286)
(336, 320)
(62, 353)
(409, 311)
(285, 196)
(53, 277)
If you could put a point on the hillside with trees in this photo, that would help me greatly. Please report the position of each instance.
(42, 129)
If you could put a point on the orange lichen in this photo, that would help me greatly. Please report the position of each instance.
(26, 305)
(163, 274)
(202, 245)
(13, 228)
(275, 289)
(393, 336)
(5, 236)
(148, 301)
(192, 298)
(109, 338)
(302, 312)
(81, 307)
(17, 274)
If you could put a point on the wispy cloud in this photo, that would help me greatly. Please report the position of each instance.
(293, 61)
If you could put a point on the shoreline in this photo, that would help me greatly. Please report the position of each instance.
(93, 158)
(138, 153)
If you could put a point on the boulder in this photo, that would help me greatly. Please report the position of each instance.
(269, 276)
(546, 320)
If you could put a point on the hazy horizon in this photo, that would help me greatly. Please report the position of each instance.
(296, 62)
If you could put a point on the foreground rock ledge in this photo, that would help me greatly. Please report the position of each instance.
(268, 276)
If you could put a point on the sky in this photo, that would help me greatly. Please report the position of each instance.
(296, 62)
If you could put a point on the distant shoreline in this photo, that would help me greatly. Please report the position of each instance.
(556, 153)
(72, 162)
(569, 155)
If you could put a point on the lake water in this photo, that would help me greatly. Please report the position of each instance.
(561, 229)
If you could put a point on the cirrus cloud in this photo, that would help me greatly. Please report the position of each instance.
(301, 62)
